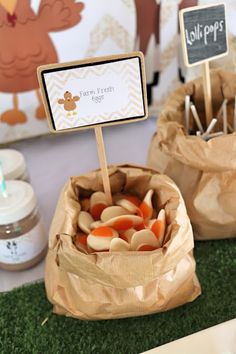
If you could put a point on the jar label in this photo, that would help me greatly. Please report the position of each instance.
(23, 248)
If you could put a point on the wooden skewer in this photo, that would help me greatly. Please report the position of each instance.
(207, 91)
(103, 163)
(196, 118)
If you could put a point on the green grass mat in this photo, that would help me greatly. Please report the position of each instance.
(23, 310)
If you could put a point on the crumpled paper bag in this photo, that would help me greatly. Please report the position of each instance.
(108, 285)
(205, 172)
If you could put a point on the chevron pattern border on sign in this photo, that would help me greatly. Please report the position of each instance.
(109, 28)
(132, 77)
(97, 70)
(126, 70)
(129, 111)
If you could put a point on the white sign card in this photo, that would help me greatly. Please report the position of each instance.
(98, 91)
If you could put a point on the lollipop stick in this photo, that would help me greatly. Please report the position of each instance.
(3, 188)
(225, 117)
(210, 127)
(187, 107)
(213, 135)
(103, 163)
(196, 118)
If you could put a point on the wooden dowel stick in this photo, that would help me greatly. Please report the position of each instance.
(207, 92)
(103, 163)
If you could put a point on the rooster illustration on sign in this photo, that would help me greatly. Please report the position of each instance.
(69, 103)
(25, 45)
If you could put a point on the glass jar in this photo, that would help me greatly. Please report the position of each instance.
(14, 166)
(23, 241)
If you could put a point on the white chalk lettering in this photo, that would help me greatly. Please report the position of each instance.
(221, 25)
(207, 33)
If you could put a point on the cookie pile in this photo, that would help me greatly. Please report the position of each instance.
(129, 225)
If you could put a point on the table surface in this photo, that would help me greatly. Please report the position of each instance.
(52, 160)
(220, 339)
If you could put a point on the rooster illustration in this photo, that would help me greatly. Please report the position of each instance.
(25, 44)
(148, 39)
(182, 68)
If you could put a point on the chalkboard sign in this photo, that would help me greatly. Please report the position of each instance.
(204, 36)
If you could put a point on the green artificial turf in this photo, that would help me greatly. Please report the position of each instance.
(23, 310)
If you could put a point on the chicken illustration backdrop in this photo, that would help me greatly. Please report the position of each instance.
(181, 67)
(148, 39)
(25, 44)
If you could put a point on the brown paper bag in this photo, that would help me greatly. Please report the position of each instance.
(107, 285)
(205, 172)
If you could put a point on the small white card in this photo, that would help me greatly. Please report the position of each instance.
(99, 91)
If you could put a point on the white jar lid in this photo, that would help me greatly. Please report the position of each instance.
(20, 202)
(13, 163)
